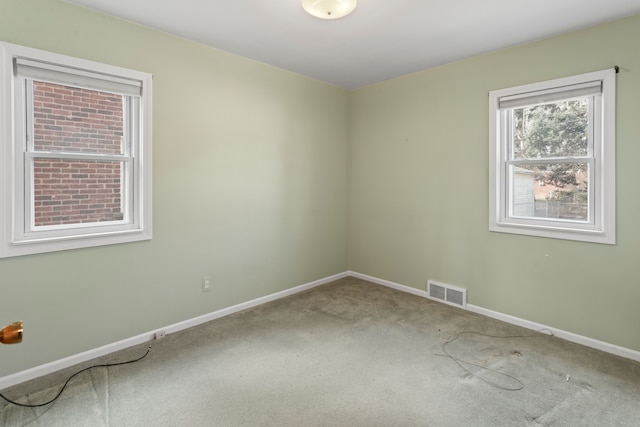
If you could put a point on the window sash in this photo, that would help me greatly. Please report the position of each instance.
(126, 193)
(509, 216)
(528, 99)
(25, 230)
(595, 103)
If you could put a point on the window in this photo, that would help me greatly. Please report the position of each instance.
(76, 153)
(552, 164)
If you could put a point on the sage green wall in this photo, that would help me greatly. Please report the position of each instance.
(250, 188)
(419, 189)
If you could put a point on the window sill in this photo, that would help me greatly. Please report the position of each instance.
(565, 233)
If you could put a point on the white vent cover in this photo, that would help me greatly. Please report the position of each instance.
(447, 294)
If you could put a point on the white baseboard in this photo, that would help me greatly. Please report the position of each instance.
(569, 336)
(398, 286)
(48, 368)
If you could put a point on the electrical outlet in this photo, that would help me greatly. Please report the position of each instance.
(159, 334)
(206, 284)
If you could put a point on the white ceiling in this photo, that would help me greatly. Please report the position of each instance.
(381, 39)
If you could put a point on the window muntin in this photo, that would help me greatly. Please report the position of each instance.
(78, 165)
(552, 165)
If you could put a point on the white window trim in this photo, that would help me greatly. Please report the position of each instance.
(603, 229)
(14, 242)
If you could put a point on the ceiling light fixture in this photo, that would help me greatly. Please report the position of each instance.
(329, 9)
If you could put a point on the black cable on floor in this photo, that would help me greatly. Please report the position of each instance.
(106, 365)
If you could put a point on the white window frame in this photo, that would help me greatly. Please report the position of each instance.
(601, 225)
(17, 234)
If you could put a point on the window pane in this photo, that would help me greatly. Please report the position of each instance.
(77, 191)
(557, 191)
(70, 119)
(558, 129)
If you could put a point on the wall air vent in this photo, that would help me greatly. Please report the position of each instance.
(447, 294)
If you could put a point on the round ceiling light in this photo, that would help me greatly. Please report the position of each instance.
(329, 9)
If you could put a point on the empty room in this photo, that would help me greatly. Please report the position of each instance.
(319, 213)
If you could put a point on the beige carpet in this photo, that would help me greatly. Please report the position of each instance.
(349, 353)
